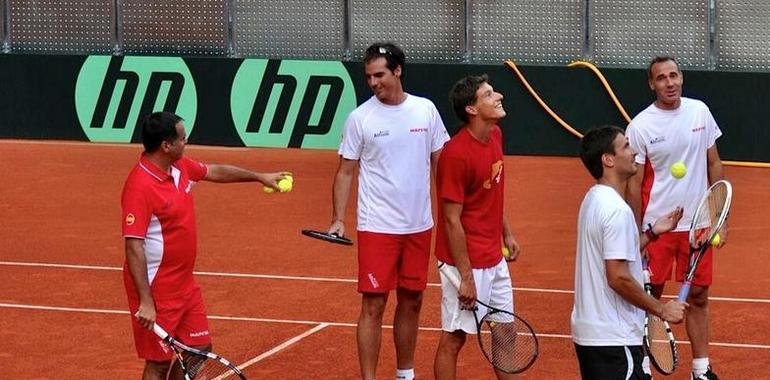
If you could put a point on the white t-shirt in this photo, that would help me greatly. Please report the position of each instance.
(393, 144)
(606, 231)
(664, 137)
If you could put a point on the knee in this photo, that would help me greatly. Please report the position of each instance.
(409, 299)
(451, 343)
(372, 307)
(156, 370)
(699, 297)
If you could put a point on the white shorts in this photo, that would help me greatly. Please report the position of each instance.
(493, 287)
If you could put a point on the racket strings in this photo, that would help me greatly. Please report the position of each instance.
(709, 214)
(507, 341)
(209, 369)
(660, 348)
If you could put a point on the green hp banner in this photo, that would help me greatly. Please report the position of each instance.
(298, 104)
(113, 93)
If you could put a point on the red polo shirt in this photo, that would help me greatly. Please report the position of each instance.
(470, 172)
(158, 208)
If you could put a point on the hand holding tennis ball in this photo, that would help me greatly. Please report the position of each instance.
(285, 185)
(506, 253)
(678, 170)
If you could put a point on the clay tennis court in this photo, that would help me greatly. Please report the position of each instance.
(285, 306)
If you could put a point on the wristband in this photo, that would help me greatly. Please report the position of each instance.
(651, 235)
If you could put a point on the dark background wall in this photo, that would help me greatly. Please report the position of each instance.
(37, 101)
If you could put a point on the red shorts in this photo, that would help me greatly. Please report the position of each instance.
(183, 318)
(387, 261)
(675, 246)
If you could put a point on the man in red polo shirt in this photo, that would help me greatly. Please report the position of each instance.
(161, 241)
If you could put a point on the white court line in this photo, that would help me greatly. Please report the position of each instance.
(325, 324)
(283, 345)
(332, 279)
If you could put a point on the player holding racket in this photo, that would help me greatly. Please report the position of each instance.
(160, 242)
(471, 223)
(392, 140)
(676, 128)
(610, 303)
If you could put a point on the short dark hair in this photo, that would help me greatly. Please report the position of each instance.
(157, 128)
(388, 50)
(463, 94)
(659, 59)
(596, 143)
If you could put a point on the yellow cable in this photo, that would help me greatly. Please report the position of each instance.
(606, 85)
(540, 101)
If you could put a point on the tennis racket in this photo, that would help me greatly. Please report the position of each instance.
(325, 236)
(659, 342)
(709, 219)
(506, 340)
(197, 364)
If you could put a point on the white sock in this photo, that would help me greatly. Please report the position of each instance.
(646, 365)
(405, 374)
(700, 366)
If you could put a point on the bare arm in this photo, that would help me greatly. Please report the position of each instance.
(458, 249)
(340, 194)
(228, 174)
(634, 195)
(714, 163)
(434, 161)
(137, 265)
(510, 241)
(621, 281)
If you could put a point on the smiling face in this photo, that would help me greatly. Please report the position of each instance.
(384, 83)
(666, 80)
(488, 105)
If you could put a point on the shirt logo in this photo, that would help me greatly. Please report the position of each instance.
(382, 134)
(497, 171)
(418, 130)
(698, 129)
(373, 280)
(658, 139)
(130, 219)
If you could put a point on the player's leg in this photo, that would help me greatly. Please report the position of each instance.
(698, 319)
(377, 260)
(193, 330)
(496, 289)
(369, 332)
(412, 280)
(155, 370)
(449, 346)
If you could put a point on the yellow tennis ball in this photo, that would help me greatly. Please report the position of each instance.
(716, 240)
(678, 170)
(268, 189)
(506, 253)
(286, 184)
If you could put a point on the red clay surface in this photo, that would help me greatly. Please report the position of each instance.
(61, 205)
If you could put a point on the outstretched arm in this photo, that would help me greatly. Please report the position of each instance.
(229, 173)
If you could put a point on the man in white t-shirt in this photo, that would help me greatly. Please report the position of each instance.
(608, 315)
(394, 139)
(676, 129)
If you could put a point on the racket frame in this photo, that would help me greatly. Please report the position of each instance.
(325, 236)
(179, 347)
(647, 341)
(698, 248)
(455, 280)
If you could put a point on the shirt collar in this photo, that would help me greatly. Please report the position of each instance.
(152, 169)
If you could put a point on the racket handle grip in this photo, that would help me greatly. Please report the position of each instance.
(684, 291)
(159, 331)
(453, 278)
